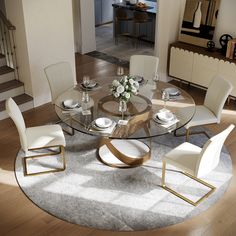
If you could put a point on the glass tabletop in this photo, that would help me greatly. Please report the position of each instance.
(138, 121)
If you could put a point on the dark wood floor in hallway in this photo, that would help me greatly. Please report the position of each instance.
(19, 216)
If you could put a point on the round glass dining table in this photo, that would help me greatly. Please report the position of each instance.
(137, 122)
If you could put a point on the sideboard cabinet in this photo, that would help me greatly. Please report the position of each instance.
(197, 65)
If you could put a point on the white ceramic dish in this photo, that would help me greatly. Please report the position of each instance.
(103, 122)
(164, 117)
(70, 103)
(172, 91)
(139, 79)
(91, 84)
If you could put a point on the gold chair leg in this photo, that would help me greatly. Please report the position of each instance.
(212, 188)
(188, 133)
(61, 152)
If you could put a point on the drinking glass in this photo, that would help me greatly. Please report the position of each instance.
(122, 108)
(85, 100)
(156, 78)
(120, 71)
(165, 97)
(86, 80)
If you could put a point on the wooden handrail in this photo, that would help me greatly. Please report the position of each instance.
(8, 24)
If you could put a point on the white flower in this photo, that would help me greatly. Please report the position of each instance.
(116, 95)
(136, 84)
(120, 89)
(115, 83)
(133, 90)
(131, 81)
(126, 87)
(127, 95)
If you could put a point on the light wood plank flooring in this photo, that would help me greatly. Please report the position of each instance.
(19, 216)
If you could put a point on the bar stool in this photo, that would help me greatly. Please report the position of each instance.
(140, 17)
(121, 16)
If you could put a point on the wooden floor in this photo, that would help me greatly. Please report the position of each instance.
(19, 216)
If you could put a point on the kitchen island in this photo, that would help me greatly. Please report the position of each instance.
(147, 29)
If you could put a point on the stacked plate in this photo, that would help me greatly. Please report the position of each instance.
(70, 104)
(172, 91)
(92, 84)
(164, 117)
(139, 79)
(102, 123)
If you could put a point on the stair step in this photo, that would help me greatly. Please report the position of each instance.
(11, 89)
(20, 99)
(5, 70)
(6, 74)
(24, 101)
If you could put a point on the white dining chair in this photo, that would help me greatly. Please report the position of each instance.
(196, 162)
(210, 112)
(60, 79)
(144, 66)
(36, 138)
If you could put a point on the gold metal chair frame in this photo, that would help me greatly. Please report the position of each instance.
(188, 133)
(163, 184)
(61, 151)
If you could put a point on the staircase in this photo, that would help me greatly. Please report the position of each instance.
(10, 85)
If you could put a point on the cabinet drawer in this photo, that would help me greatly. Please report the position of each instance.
(181, 64)
(204, 69)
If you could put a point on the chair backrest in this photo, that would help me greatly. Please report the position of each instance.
(16, 115)
(144, 66)
(210, 154)
(60, 78)
(217, 94)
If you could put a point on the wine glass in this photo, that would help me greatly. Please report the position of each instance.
(85, 100)
(156, 78)
(86, 80)
(165, 97)
(120, 71)
(122, 108)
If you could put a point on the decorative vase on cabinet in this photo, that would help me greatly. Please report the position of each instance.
(197, 16)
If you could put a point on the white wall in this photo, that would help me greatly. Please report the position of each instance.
(84, 26)
(170, 15)
(14, 10)
(226, 20)
(50, 38)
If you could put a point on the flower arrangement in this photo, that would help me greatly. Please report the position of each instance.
(125, 88)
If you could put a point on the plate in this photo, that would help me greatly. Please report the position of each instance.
(103, 122)
(91, 84)
(172, 91)
(139, 79)
(164, 117)
(70, 103)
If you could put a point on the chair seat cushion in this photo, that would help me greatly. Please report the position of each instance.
(202, 116)
(184, 157)
(45, 136)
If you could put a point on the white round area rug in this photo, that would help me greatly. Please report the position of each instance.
(89, 193)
